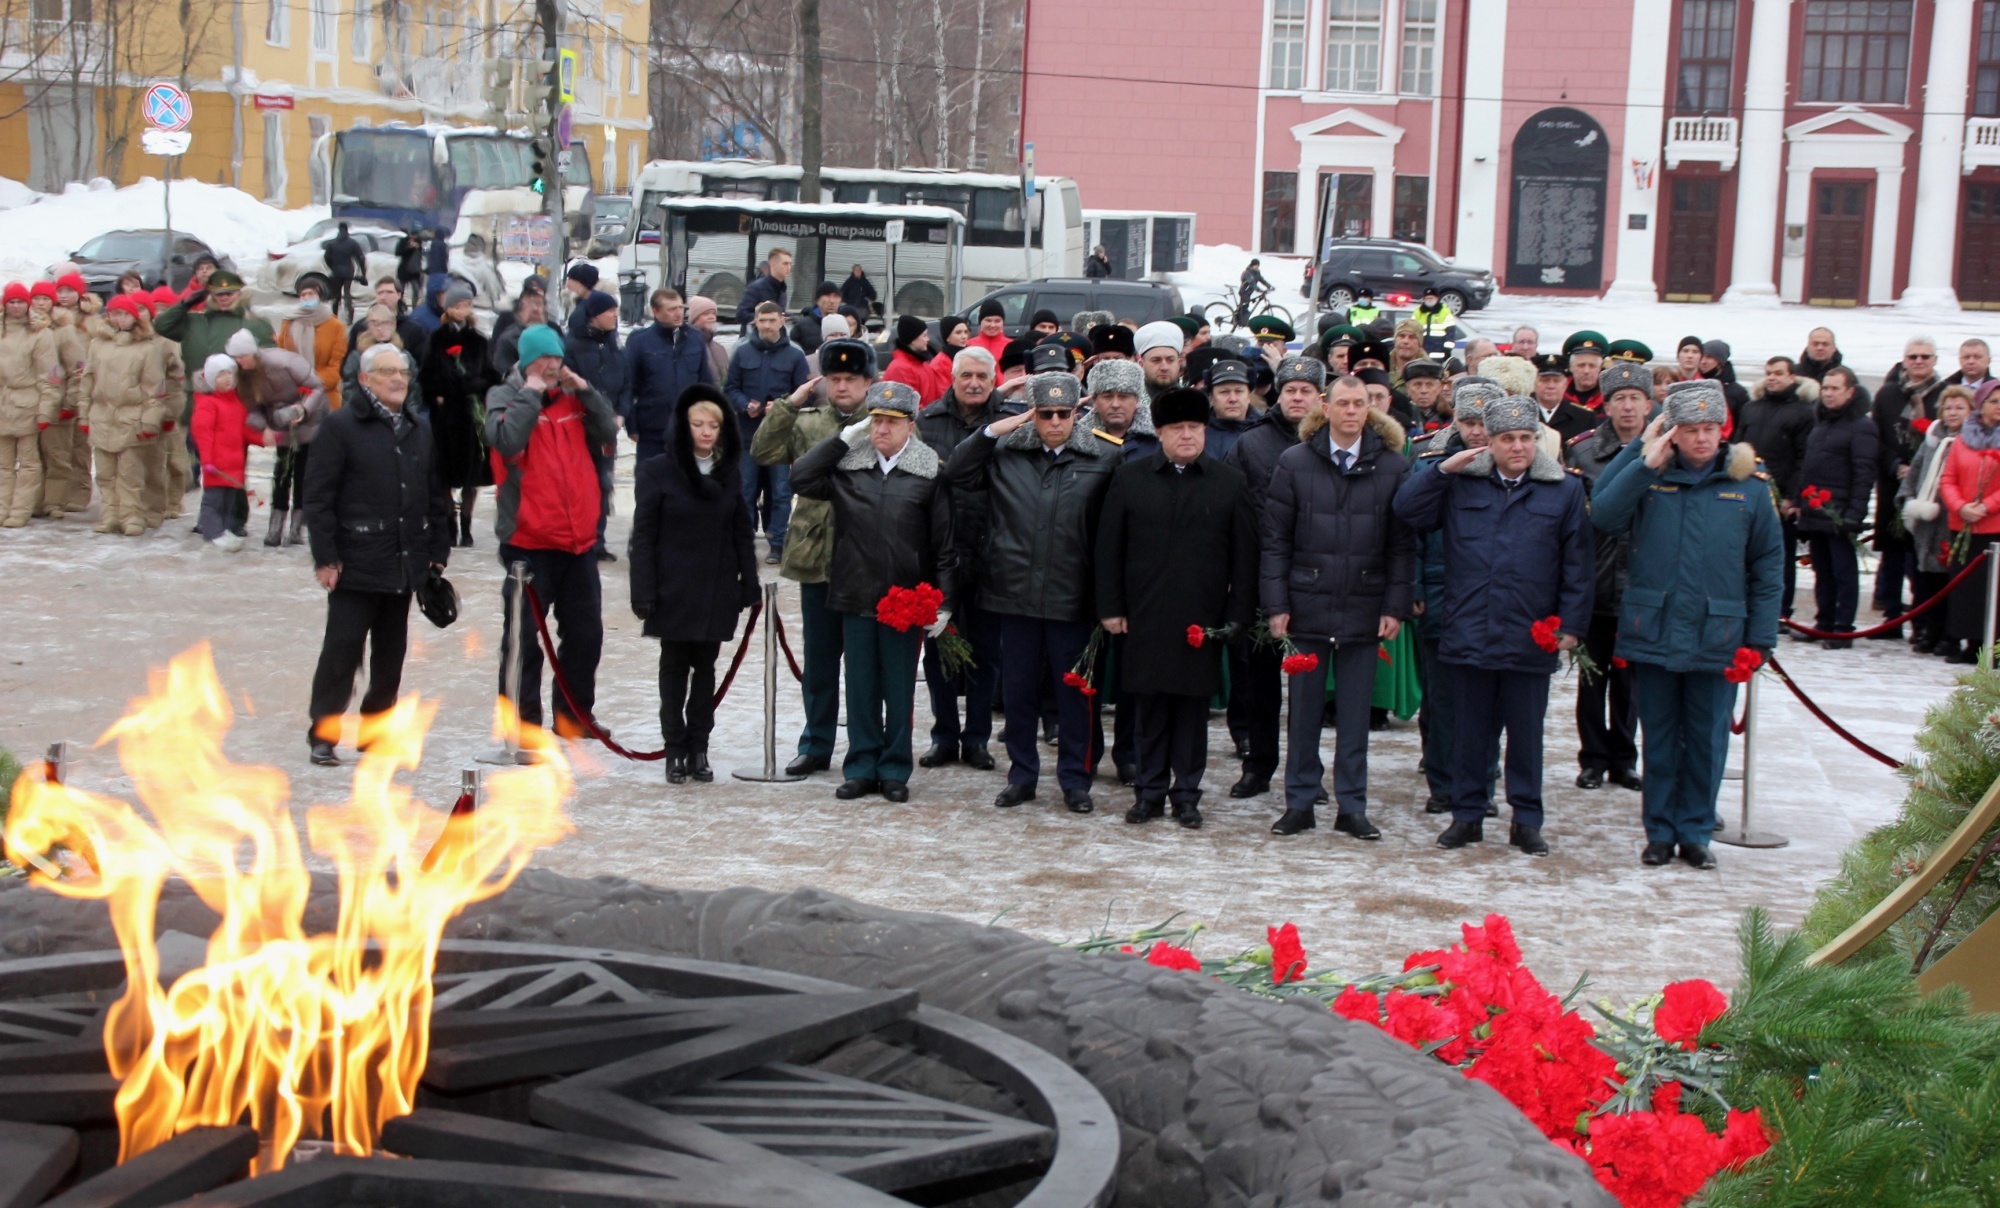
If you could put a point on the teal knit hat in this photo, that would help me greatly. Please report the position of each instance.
(537, 342)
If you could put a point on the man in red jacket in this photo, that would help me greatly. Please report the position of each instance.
(541, 424)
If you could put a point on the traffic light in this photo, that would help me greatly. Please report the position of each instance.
(538, 176)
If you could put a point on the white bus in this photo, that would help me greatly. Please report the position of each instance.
(989, 202)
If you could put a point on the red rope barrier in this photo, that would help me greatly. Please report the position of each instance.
(459, 808)
(785, 644)
(1936, 599)
(1831, 724)
(742, 648)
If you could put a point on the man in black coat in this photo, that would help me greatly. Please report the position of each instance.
(379, 521)
(892, 528)
(1176, 553)
(1044, 487)
(1568, 419)
(346, 261)
(1905, 397)
(768, 287)
(1776, 422)
(593, 352)
(1256, 688)
(1338, 574)
(1843, 457)
(1607, 709)
(970, 404)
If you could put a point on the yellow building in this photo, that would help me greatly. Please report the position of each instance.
(269, 77)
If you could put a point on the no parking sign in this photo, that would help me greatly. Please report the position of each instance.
(167, 107)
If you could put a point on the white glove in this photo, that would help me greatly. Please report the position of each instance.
(937, 627)
(854, 434)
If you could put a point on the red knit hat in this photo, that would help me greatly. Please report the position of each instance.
(72, 281)
(129, 303)
(43, 289)
(162, 297)
(15, 292)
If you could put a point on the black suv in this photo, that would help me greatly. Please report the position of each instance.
(1140, 301)
(1393, 268)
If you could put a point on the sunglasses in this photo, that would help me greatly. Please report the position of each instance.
(1920, 356)
(1055, 413)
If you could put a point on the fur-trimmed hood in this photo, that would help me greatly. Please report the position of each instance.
(917, 458)
(1025, 439)
(1543, 469)
(1804, 390)
(1383, 424)
(728, 447)
(1742, 460)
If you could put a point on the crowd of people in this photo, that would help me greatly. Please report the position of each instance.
(1146, 520)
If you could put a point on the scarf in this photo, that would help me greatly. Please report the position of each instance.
(1976, 435)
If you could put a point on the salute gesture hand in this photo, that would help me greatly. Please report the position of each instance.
(1011, 423)
(1658, 447)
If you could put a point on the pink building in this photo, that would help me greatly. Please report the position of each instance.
(1808, 150)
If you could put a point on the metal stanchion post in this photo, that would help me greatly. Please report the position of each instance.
(56, 764)
(770, 773)
(1741, 835)
(517, 619)
(1992, 605)
(470, 791)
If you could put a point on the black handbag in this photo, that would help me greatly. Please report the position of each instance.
(437, 599)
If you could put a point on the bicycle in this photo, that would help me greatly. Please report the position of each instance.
(1231, 316)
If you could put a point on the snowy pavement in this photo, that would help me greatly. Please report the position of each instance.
(88, 614)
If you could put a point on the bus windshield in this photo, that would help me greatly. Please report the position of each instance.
(386, 168)
(488, 162)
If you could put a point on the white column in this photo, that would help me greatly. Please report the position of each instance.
(1382, 205)
(1882, 240)
(1798, 204)
(1761, 160)
(1938, 161)
(1645, 117)
(1479, 141)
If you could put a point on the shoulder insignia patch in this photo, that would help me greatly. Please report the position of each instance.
(1101, 434)
(1736, 495)
(1579, 439)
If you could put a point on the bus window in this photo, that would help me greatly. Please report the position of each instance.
(725, 186)
(389, 169)
(921, 269)
(784, 190)
(853, 194)
(995, 220)
(715, 266)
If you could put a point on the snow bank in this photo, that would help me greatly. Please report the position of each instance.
(1214, 269)
(14, 193)
(32, 237)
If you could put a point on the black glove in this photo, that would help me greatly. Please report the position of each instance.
(200, 295)
(750, 596)
(643, 609)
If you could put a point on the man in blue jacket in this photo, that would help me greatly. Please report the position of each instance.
(661, 361)
(1517, 549)
(1704, 577)
(768, 287)
(765, 368)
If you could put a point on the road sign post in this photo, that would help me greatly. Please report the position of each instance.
(1028, 208)
(167, 109)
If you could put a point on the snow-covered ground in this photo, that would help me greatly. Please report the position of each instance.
(88, 614)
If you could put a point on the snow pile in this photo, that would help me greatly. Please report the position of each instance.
(1214, 269)
(13, 193)
(32, 237)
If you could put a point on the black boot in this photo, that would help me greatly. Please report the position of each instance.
(697, 767)
(298, 529)
(677, 769)
(465, 526)
(276, 536)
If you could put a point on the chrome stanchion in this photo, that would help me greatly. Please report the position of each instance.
(1992, 605)
(509, 752)
(470, 791)
(55, 765)
(1741, 835)
(770, 773)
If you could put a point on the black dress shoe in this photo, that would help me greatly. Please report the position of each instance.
(977, 758)
(1188, 815)
(677, 769)
(1357, 825)
(850, 789)
(1078, 801)
(1492, 810)
(697, 767)
(1145, 811)
(1048, 736)
(1128, 774)
(1628, 780)
(1014, 794)
(605, 555)
(1838, 643)
(897, 791)
(1293, 822)
(1438, 805)
(1251, 785)
(806, 764)
(1242, 747)
(1694, 855)
(1458, 834)
(1657, 854)
(1590, 778)
(322, 754)
(940, 754)
(1528, 839)
(1321, 798)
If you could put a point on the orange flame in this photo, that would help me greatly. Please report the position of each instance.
(320, 1036)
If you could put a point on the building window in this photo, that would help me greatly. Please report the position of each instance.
(403, 31)
(1986, 77)
(357, 34)
(1420, 32)
(1708, 42)
(274, 158)
(1412, 219)
(321, 13)
(1288, 43)
(1353, 45)
(1281, 211)
(275, 31)
(1856, 51)
(318, 126)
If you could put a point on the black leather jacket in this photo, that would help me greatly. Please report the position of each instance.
(889, 530)
(1037, 559)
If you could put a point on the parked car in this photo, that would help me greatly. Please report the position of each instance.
(1398, 272)
(109, 256)
(304, 261)
(608, 227)
(1141, 301)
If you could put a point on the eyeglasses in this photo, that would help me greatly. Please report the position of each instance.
(394, 373)
(1053, 413)
(1920, 356)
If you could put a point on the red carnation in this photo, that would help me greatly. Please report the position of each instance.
(1166, 956)
(454, 350)
(1072, 680)
(1196, 636)
(1547, 633)
(1920, 425)
(1288, 955)
(1685, 1009)
(1743, 1138)
(1619, 663)
(902, 608)
(1359, 1006)
(1382, 652)
(1299, 664)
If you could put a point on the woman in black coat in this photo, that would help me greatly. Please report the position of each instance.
(455, 377)
(693, 567)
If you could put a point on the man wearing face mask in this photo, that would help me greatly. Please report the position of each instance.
(1704, 582)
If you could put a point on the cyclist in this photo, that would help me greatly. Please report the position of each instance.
(1246, 288)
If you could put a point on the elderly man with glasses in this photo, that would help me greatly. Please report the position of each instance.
(1909, 394)
(379, 522)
